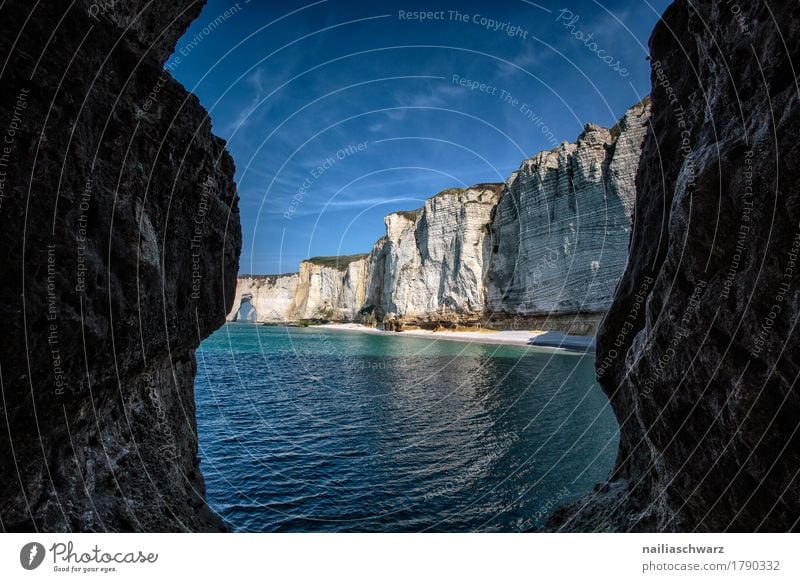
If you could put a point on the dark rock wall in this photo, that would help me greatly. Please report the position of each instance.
(120, 237)
(699, 353)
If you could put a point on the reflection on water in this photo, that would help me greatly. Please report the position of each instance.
(313, 430)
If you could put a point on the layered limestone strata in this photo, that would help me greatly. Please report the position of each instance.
(269, 296)
(561, 230)
(329, 291)
(552, 241)
(429, 267)
(318, 291)
(435, 258)
(121, 240)
(699, 353)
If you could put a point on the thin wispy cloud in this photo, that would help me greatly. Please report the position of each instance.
(367, 82)
(255, 84)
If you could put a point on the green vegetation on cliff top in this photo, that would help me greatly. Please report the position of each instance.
(336, 262)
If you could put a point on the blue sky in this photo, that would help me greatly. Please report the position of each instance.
(458, 98)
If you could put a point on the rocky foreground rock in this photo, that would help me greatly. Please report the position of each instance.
(545, 248)
(120, 235)
(699, 352)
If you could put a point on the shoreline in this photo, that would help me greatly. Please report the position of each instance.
(525, 338)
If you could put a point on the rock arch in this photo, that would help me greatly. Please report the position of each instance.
(246, 310)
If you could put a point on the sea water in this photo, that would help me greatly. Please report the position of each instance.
(309, 429)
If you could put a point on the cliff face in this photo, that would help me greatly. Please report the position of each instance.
(318, 291)
(562, 228)
(327, 292)
(121, 237)
(270, 297)
(428, 268)
(548, 246)
(699, 350)
(435, 258)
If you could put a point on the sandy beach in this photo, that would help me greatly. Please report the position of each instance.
(537, 338)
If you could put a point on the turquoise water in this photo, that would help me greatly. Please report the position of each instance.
(305, 429)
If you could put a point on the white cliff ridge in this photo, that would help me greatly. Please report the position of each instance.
(435, 258)
(269, 296)
(549, 245)
(563, 224)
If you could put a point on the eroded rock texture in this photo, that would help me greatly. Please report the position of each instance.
(699, 351)
(562, 228)
(429, 267)
(436, 257)
(121, 236)
(264, 297)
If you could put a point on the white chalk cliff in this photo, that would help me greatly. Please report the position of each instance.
(551, 241)
(271, 297)
(563, 224)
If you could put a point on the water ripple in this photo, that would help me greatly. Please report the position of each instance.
(305, 431)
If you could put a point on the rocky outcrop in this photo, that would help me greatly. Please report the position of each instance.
(332, 288)
(561, 230)
(546, 248)
(436, 257)
(121, 240)
(428, 268)
(268, 297)
(698, 353)
(329, 289)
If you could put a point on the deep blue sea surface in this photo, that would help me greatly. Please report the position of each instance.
(305, 429)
